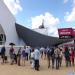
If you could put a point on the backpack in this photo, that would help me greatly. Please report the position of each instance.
(49, 52)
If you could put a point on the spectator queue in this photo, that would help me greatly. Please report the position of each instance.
(53, 55)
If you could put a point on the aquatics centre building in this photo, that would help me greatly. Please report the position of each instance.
(12, 32)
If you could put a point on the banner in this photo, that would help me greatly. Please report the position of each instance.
(65, 31)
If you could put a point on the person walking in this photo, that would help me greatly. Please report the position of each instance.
(19, 56)
(45, 53)
(41, 51)
(3, 50)
(36, 58)
(60, 57)
(32, 59)
(53, 57)
(48, 56)
(67, 56)
(71, 57)
(11, 53)
(73, 54)
(27, 51)
(23, 57)
(57, 53)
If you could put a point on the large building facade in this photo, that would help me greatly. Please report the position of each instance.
(11, 32)
(8, 32)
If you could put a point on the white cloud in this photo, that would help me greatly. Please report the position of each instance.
(37, 21)
(71, 15)
(13, 5)
(74, 2)
(50, 22)
(65, 1)
(53, 31)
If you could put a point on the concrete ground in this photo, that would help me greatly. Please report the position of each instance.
(7, 69)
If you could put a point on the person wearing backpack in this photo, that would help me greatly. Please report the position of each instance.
(48, 56)
(52, 57)
(67, 56)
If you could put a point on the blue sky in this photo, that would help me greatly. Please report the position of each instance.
(56, 13)
(33, 8)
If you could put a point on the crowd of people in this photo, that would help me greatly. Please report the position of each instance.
(53, 55)
(57, 54)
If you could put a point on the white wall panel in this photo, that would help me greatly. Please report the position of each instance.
(7, 21)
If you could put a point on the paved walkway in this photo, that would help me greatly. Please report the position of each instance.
(7, 69)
